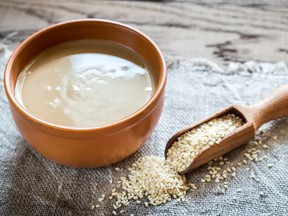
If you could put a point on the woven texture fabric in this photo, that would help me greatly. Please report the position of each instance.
(196, 88)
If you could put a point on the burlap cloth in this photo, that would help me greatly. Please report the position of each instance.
(196, 88)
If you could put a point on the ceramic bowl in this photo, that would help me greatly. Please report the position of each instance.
(87, 147)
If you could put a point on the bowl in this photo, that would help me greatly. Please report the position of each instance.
(97, 146)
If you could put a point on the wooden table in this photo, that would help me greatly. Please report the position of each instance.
(217, 30)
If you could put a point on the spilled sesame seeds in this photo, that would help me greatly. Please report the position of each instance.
(153, 178)
(154, 181)
(157, 179)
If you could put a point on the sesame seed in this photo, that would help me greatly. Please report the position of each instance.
(270, 165)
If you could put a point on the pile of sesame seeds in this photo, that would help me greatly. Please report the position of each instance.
(153, 178)
(184, 150)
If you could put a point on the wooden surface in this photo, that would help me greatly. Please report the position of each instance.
(217, 30)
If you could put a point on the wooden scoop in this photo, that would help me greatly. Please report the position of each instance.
(273, 106)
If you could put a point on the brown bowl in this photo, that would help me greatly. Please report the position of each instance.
(91, 147)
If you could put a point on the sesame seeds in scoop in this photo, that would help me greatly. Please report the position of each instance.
(187, 146)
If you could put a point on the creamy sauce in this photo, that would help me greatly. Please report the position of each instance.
(85, 83)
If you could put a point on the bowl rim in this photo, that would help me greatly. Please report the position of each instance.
(114, 126)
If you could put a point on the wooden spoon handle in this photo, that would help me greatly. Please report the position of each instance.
(273, 106)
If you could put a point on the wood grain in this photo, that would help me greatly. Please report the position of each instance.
(217, 30)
